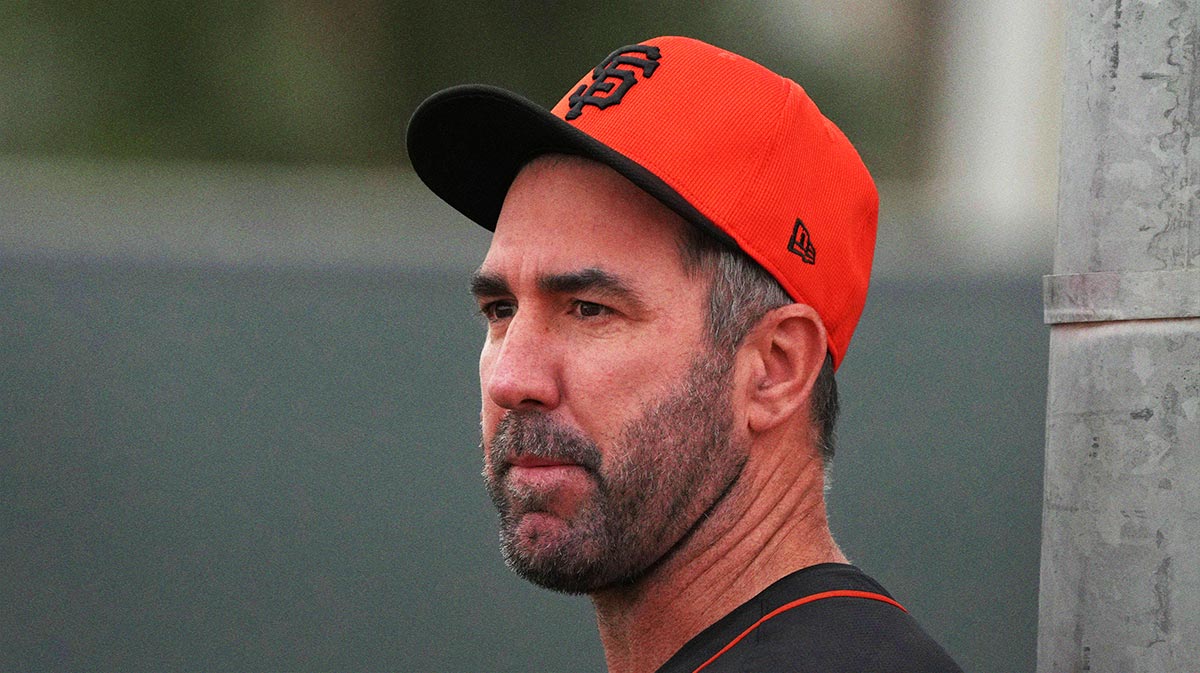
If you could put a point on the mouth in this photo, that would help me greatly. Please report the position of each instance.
(532, 474)
(534, 462)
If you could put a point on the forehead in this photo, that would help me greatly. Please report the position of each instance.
(564, 213)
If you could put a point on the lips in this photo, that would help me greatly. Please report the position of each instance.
(529, 462)
(556, 484)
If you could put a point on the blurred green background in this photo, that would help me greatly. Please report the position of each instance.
(335, 81)
(238, 400)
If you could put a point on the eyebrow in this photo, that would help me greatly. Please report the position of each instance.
(485, 284)
(604, 283)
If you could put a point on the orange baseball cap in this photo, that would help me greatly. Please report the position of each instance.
(724, 142)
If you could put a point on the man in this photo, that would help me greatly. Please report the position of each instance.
(682, 248)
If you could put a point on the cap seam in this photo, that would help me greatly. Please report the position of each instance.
(762, 259)
(776, 139)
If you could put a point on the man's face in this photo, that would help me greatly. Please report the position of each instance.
(606, 417)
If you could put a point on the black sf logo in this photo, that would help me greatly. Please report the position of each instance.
(611, 82)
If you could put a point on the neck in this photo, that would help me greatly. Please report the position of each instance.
(771, 523)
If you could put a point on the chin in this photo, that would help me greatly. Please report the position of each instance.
(545, 551)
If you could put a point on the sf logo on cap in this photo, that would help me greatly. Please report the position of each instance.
(603, 75)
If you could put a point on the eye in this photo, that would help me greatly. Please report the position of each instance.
(501, 309)
(588, 309)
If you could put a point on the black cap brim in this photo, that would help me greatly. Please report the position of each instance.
(467, 143)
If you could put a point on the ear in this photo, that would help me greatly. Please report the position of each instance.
(783, 355)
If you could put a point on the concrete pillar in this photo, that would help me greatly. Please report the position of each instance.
(1120, 578)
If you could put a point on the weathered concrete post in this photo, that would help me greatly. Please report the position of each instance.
(1120, 578)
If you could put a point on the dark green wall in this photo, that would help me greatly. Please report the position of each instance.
(214, 469)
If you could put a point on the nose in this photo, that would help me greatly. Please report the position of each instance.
(519, 370)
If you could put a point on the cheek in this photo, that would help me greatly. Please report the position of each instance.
(489, 415)
(485, 361)
(489, 419)
(647, 365)
(606, 388)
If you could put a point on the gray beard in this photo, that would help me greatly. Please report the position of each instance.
(670, 467)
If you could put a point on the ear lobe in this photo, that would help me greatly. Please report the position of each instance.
(786, 350)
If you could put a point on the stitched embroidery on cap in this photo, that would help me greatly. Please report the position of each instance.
(603, 91)
(801, 243)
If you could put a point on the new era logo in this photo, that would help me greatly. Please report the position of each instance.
(801, 243)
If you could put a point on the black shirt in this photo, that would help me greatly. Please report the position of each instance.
(865, 633)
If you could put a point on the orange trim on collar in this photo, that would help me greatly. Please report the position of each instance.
(845, 593)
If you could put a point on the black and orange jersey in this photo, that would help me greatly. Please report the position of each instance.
(827, 618)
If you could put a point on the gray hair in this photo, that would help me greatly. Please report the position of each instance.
(742, 292)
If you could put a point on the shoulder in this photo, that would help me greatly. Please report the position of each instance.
(829, 618)
(841, 634)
